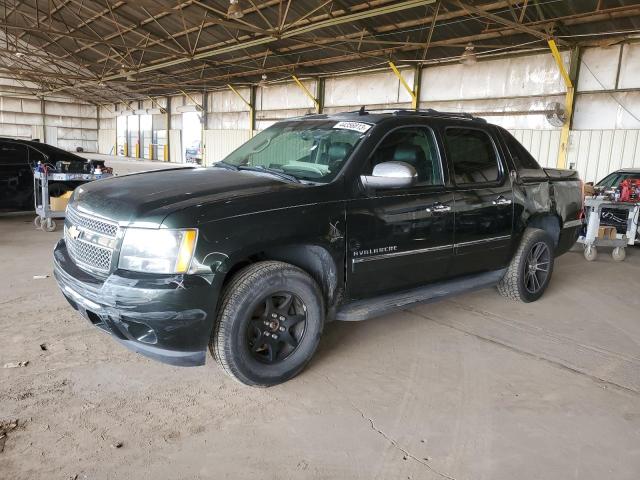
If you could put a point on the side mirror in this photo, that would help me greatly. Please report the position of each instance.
(390, 175)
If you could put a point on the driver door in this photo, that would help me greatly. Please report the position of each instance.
(401, 238)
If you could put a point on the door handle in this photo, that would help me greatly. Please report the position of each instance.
(438, 208)
(501, 201)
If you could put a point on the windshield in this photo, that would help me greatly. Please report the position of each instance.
(311, 150)
(614, 179)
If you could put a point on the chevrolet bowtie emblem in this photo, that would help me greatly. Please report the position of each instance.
(74, 232)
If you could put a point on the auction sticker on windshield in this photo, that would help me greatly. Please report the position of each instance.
(356, 126)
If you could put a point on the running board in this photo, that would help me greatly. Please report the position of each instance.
(375, 307)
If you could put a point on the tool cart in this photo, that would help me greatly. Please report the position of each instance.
(43, 175)
(593, 237)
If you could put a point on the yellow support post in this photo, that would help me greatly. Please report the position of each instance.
(126, 150)
(154, 101)
(137, 150)
(192, 99)
(410, 91)
(307, 93)
(248, 104)
(151, 151)
(166, 153)
(568, 106)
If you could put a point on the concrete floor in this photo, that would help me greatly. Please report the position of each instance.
(476, 387)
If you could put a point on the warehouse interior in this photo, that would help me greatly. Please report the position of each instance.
(132, 81)
(467, 388)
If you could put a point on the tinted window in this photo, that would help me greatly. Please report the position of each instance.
(412, 145)
(13, 154)
(522, 159)
(473, 156)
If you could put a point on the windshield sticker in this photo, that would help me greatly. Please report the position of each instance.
(355, 126)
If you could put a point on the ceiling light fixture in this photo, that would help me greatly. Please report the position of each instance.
(235, 10)
(469, 56)
(19, 54)
(263, 80)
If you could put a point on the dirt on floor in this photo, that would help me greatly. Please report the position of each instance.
(475, 387)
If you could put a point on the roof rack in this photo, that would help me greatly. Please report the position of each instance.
(437, 113)
(425, 112)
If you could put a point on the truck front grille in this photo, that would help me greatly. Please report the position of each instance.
(91, 241)
(91, 223)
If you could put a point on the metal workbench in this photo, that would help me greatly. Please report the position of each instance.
(45, 216)
(593, 211)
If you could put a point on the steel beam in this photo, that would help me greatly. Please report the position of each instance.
(249, 103)
(502, 21)
(395, 7)
(568, 102)
(411, 91)
(307, 92)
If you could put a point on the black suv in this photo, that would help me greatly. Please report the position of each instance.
(18, 158)
(322, 217)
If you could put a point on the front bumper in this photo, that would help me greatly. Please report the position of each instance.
(166, 317)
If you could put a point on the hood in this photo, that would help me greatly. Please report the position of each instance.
(150, 196)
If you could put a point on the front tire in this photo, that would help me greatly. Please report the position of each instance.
(529, 272)
(269, 324)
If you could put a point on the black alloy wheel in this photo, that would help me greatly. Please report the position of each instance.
(537, 267)
(269, 323)
(277, 327)
(529, 272)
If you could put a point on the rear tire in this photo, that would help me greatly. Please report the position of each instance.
(529, 272)
(269, 324)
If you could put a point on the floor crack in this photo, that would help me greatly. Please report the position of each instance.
(550, 361)
(389, 439)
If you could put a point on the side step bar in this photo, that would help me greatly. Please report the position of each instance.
(375, 307)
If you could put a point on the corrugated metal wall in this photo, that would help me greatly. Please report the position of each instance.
(509, 92)
(542, 144)
(220, 143)
(593, 153)
(107, 141)
(62, 123)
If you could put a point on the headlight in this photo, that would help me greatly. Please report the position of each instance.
(157, 251)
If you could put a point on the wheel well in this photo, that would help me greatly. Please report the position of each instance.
(313, 259)
(548, 223)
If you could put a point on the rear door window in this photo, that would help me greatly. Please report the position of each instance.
(522, 159)
(473, 156)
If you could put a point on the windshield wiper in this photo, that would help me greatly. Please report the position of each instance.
(272, 171)
(223, 164)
